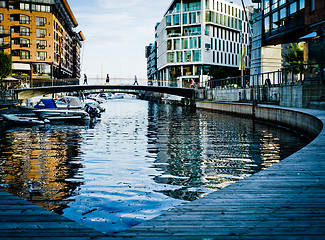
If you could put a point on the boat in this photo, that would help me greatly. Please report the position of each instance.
(62, 114)
(23, 120)
(49, 109)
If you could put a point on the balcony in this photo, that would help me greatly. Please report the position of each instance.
(4, 33)
(4, 45)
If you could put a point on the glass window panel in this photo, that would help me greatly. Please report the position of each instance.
(267, 24)
(179, 57)
(301, 4)
(185, 43)
(185, 18)
(275, 20)
(193, 42)
(188, 57)
(177, 44)
(176, 19)
(196, 55)
(168, 20)
(293, 8)
(170, 57)
(169, 44)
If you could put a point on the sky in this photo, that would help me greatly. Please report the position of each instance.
(116, 33)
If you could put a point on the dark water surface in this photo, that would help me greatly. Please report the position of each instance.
(140, 160)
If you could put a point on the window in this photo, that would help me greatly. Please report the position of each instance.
(24, 6)
(275, 20)
(2, 4)
(301, 4)
(170, 57)
(24, 19)
(40, 21)
(24, 42)
(169, 44)
(179, 56)
(177, 44)
(293, 8)
(41, 33)
(193, 42)
(24, 31)
(185, 18)
(41, 44)
(188, 56)
(168, 20)
(1, 17)
(41, 56)
(193, 18)
(176, 19)
(185, 43)
(312, 5)
(25, 55)
(196, 55)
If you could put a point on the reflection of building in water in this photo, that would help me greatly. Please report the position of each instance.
(210, 152)
(38, 165)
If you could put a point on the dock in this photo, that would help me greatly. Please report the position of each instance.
(285, 201)
(22, 220)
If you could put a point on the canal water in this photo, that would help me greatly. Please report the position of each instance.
(140, 160)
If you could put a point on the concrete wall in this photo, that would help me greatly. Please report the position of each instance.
(287, 96)
(303, 122)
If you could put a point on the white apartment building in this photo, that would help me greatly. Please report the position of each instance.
(197, 37)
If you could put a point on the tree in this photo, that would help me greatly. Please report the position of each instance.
(294, 58)
(5, 65)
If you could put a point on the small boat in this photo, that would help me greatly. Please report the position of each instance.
(17, 119)
(62, 114)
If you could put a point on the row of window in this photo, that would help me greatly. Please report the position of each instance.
(226, 58)
(281, 17)
(25, 31)
(188, 18)
(23, 54)
(184, 56)
(184, 43)
(224, 20)
(269, 5)
(24, 42)
(216, 5)
(24, 19)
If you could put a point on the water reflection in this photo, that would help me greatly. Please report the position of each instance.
(141, 159)
(37, 163)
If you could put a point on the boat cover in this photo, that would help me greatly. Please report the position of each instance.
(45, 103)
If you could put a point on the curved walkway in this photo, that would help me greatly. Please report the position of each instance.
(285, 201)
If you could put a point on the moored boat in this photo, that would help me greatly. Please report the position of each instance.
(17, 119)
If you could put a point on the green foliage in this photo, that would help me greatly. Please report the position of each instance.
(5, 65)
(294, 58)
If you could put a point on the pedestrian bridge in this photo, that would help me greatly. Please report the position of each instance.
(39, 91)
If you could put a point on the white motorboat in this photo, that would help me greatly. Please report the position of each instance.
(62, 114)
(21, 120)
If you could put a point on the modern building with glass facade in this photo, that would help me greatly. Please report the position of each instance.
(198, 37)
(281, 22)
(40, 37)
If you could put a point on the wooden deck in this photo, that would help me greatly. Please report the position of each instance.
(22, 220)
(285, 201)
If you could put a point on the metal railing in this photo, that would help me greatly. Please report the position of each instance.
(300, 74)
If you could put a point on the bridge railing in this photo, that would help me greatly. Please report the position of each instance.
(300, 74)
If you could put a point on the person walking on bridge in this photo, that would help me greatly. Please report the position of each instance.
(85, 79)
(135, 80)
(107, 79)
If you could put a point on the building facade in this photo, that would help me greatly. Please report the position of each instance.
(151, 55)
(281, 22)
(197, 39)
(40, 37)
